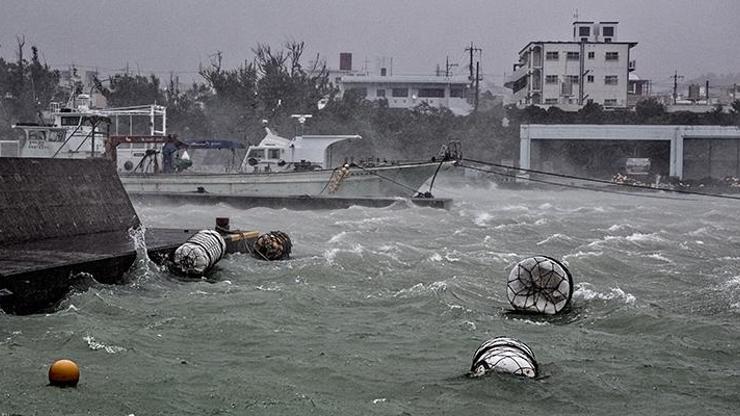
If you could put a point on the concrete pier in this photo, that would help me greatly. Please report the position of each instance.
(62, 221)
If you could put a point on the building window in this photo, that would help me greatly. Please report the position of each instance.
(612, 56)
(573, 56)
(431, 93)
(552, 56)
(573, 79)
(457, 92)
(607, 40)
(360, 92)
(611, 80)
(551, 100)
(381, 92)
(591, 55)
(610, 102)
(400, 92)
(590, 78)
(584, 31)
(607, 31)
(273, 153)
(551, 79)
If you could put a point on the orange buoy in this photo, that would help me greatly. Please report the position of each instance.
(64, 373)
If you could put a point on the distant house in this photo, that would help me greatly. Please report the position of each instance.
(402, 91)
(637, 89)
(593, 67)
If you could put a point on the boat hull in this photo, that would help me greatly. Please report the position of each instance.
(402, 180)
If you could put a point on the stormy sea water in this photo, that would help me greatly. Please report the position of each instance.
(380, 310)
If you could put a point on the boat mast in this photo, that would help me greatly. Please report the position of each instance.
(301, 120)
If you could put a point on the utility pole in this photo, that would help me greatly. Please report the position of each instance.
(706, 91)
(676, 77)
(472, 49)
(448, 65)
(477, 84)
(475, 77)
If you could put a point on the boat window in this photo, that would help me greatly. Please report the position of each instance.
(56, 136)
(273, 154)
(257, 153)
(37, 135)
(70, 121)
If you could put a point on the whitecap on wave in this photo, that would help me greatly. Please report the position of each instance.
(420, 289)
(331, 254)
(658, 256)
(580, 254)
(554, 238)
(95, 346)
(586, 292)
(482, 219)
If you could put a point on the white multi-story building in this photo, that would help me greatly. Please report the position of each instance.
(593, 67)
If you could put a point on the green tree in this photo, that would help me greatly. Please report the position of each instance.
(649, 111)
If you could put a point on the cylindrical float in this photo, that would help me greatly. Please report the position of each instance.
(199, 253)
(275, 245)
(504, 355)
(539, 284)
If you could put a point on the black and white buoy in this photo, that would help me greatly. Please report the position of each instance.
(504, 355)
(200, 253)
(539, 284)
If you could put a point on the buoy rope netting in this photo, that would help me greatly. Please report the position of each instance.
(539, 284)
(504, 355)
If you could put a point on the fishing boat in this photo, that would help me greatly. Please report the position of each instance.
(159, 162)
(278, 166)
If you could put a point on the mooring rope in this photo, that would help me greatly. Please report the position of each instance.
(593, 180)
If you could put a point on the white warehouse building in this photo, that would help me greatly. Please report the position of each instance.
(593, 67)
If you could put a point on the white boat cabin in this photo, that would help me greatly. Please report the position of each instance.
(279, 154)
(79, 132)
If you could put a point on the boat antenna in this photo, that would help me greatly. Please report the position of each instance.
(301, 119)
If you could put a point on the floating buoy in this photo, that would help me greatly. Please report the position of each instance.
(64, 373)
(200, 253)
(539, 284)
(504, 355)
(275, 245)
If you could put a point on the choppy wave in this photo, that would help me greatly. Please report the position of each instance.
(96, 346)
(587, 292)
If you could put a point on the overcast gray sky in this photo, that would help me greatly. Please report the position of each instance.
(691, 36)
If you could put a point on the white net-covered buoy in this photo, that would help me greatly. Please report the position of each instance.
(200, 253)
(504, 355)
(539, 284)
